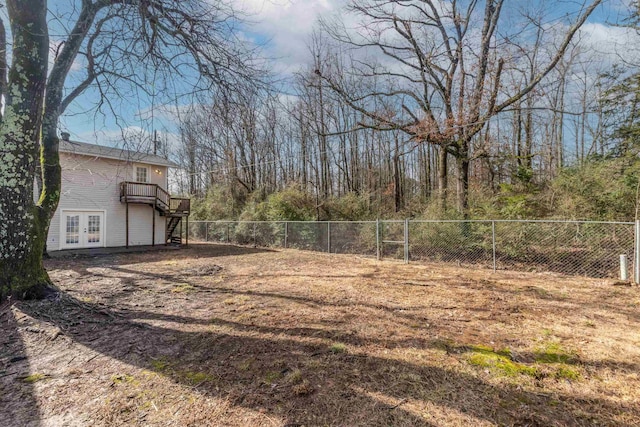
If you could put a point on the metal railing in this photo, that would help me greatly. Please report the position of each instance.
(580, 248)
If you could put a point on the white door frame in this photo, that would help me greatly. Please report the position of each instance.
(82, 238)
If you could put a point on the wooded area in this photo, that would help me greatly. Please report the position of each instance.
(425, 110)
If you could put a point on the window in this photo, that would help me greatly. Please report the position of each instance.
(142, 174)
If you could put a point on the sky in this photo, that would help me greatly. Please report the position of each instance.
(283, 28)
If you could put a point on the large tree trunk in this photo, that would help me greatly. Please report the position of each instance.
(54, 104)
(22, 222)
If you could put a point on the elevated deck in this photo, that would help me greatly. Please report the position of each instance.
(156, 196)
(174, 208)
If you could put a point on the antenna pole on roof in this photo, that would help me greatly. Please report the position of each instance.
(155, 142)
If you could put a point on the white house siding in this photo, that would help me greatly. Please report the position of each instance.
(140, 223)
(90, 183)
(157, 174)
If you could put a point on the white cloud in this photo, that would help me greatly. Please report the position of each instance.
(610, 42)
(287, 24)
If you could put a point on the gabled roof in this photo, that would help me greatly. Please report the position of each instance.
(85, 149)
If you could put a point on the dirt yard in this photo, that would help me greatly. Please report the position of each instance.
(222, 335)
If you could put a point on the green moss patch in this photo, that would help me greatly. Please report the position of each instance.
(34, 378)
(159, 365)
(195, 378)
(564, 372)
(551, 361)
(554, 353)
(500, 361)
(338, 348)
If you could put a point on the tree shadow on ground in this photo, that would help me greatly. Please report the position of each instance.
(18, 403)
(252, 366)
(337, 334)
(403, 313)
(400, 313)
(202, 250)
(344, 388)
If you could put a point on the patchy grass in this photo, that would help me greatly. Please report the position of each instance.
(34, 378)
(271, 377)
(183, 289)
(122, 378)
(159, 365)
(338, 348)
(295, 377)
(223, 335)
(195, 377)
(499, 361)
(564, 372)
(245, 365)
(553, 352)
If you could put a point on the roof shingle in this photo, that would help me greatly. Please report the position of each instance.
(85, 149)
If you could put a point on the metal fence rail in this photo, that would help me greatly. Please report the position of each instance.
(581, 248)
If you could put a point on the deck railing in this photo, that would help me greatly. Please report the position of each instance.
(180, 205)
(153, 193)
(163, 196)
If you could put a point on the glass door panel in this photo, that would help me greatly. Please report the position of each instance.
(72, 230)
(93, 230)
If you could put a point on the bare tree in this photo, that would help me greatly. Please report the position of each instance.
(120, 40)
(443, 65)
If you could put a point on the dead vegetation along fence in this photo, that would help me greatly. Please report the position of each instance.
(581, 248)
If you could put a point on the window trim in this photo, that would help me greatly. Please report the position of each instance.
(135, 173)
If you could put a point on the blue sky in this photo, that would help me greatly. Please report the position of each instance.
(285, 25)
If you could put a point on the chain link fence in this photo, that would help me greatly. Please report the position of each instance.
(581, 248)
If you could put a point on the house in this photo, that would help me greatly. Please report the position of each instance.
(112, 197)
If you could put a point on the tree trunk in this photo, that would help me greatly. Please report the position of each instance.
(462, 164)
(397, 185)
(528, 132)
(442, 178)
(23, 224)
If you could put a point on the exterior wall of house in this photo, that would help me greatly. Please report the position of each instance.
(156, 174)
(93, 184)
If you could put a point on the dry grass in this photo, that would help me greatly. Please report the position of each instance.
(220, 335)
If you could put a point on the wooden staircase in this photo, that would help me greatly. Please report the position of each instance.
(176, 209)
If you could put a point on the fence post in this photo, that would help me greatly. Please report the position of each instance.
(286, 233)
(378, 254)
(406, 241)
(329, 236)
(228, 232)
(493, 243)
(624, 272)
(206, 231)
(636, 254)
(255, 243)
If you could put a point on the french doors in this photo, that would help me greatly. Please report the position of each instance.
(82, 229)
